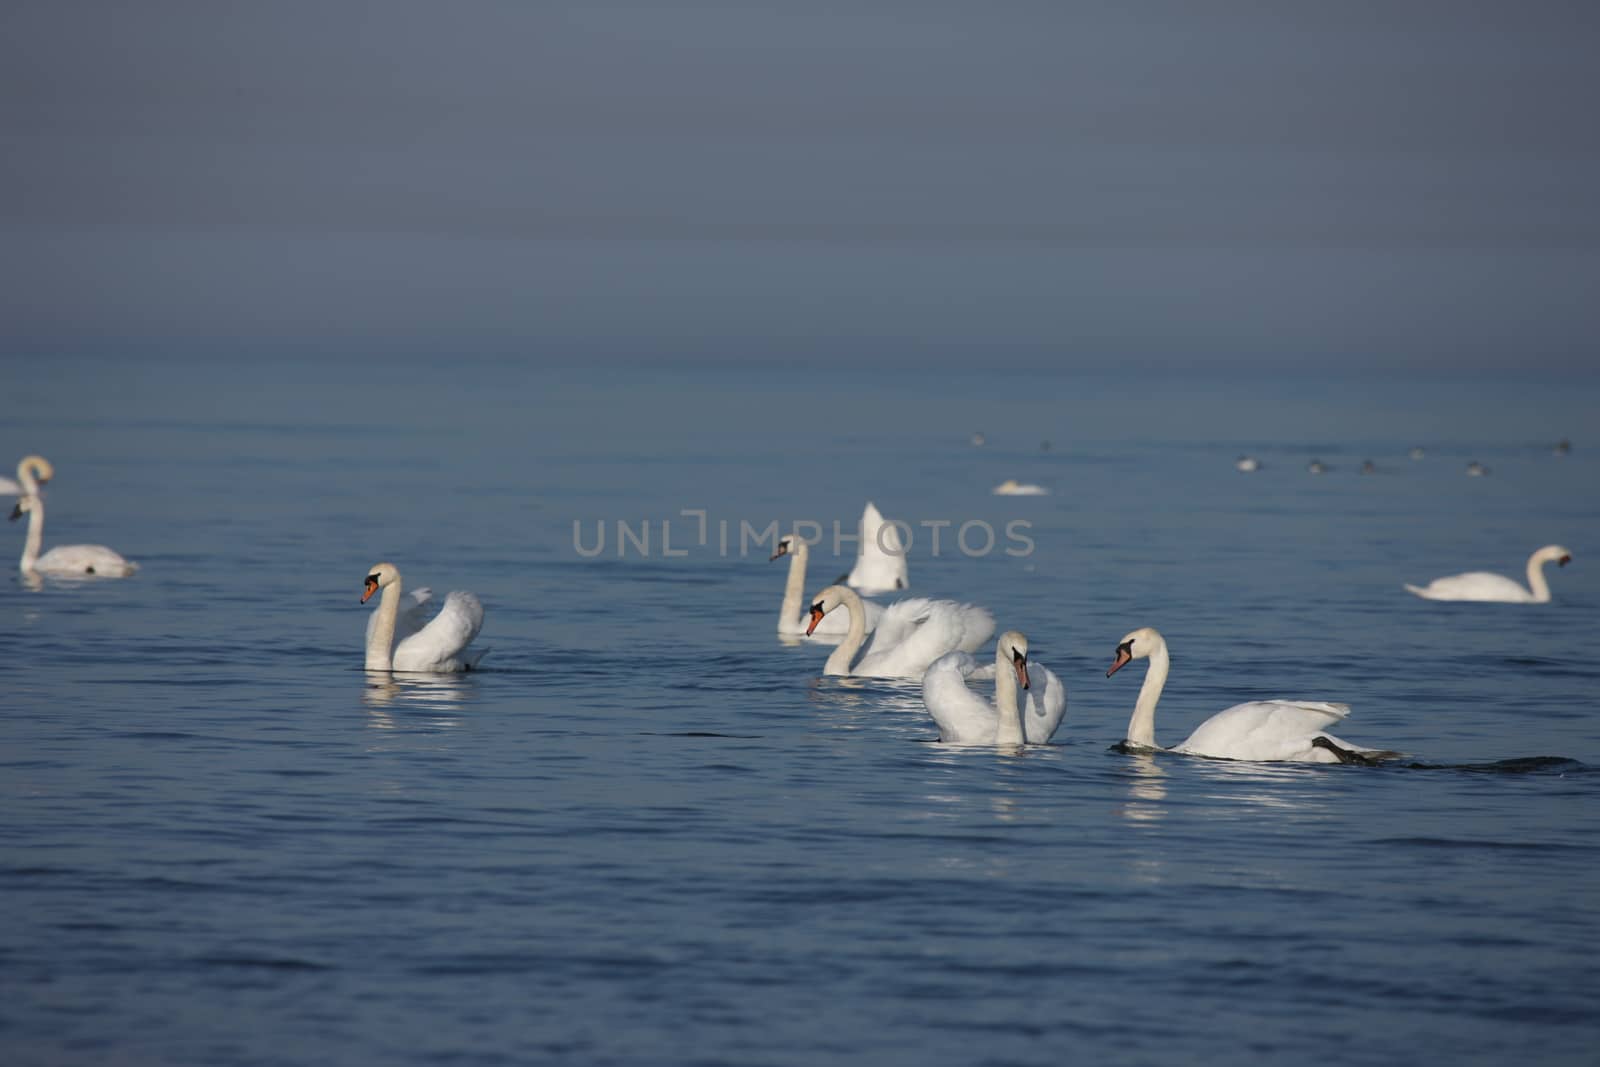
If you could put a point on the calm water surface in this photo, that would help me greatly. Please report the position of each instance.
(648, 832)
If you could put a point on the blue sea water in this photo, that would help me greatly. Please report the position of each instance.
(649, 833)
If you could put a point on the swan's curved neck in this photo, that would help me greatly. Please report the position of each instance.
(1008, 730)
(30, 547)
(843, 656)
(1142, 727)
(795, 590)
(1536, 582)
(380, 642)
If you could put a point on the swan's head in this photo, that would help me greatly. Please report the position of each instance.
(790, 545)
(24, 505)
(1554, 552)
(825, 602)
(379, 576)
(1013, 646)
(1136, 645)
(37, 465)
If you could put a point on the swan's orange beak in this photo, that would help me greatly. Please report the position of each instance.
(1021, 664)
(1562, 562)
(783, 550)
(372, 587)
(816, 617)
(16, 512)
(1124, 657)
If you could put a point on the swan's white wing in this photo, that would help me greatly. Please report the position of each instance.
(437, 646)
(977, 626)
(9, 487)
(1476, 585)
(1267, 730)
(84, 559)
(898, 622)
(963, 717)
(936, 627)
(880, 559)
(412, 615)
(1045, 705)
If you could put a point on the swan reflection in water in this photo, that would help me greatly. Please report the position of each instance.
(435, 693)
(1147, 789)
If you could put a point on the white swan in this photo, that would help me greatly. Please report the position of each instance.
(911, 633)
(1247, 464)
(880, 559)
(97, 560)
(792, 617)
(399, 641)
(1483, 586)
(965, 718)
(1012, 487)
(1259, 730)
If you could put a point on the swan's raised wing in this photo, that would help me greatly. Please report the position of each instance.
(437, 646)
(880, 558)
(924, 634)
(977, 626)
(963, 717)
(898, 622)
(410, 618)
(1045, 706)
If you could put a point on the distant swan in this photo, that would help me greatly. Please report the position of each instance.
(1259, 730)
(398, 641)
(1316, 466)
(96, 560)
(1476, 469)
(1012, 487)
(911, 633)
(965, 718)
(1483, 586)
(1247, 464)
(792, 617)
(880, 559)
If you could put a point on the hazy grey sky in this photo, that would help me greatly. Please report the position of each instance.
(1025, 182)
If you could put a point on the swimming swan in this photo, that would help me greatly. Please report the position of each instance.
(399, 641)
(792, 617)
(911, 633)
(881, 558)
(96, 560)
(1483, 586)
(1259, 730)
(965, 718)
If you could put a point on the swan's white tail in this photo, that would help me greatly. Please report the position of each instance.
(1415, 589)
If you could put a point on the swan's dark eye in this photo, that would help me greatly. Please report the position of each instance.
(1017, 656)
(1126, 646)
(817, 607)
(372, 579)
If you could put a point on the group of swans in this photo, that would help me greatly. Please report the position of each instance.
(33, 472)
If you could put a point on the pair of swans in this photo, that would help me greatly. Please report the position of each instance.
(792, 617)
(880, 567)
(910, 634)
(1269, 731)
(1496, 588)
(97, 560)
(401, 640)
(964, 718)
